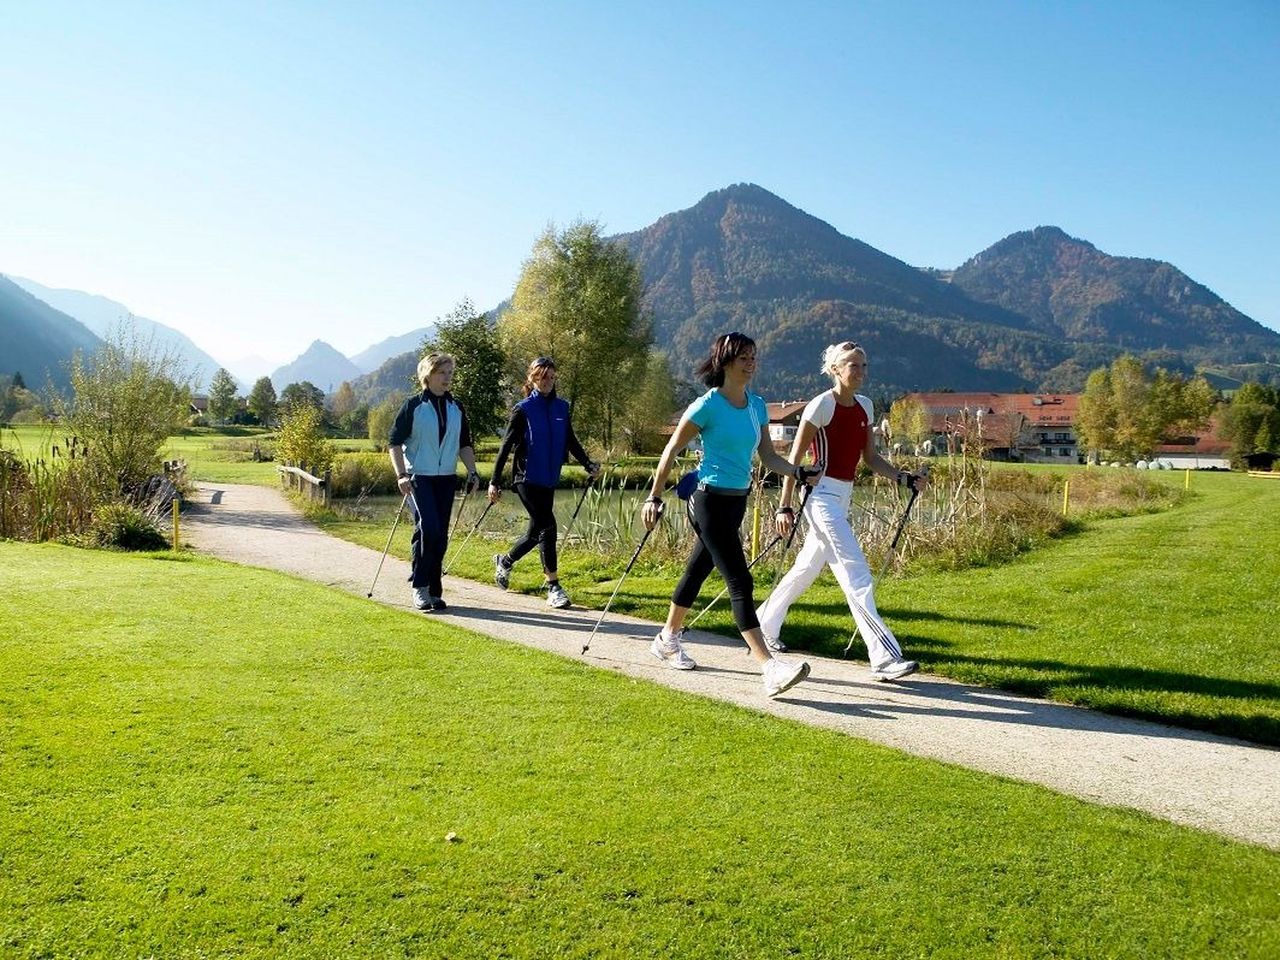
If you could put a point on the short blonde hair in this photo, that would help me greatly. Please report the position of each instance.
(433, 362)
(836, 354)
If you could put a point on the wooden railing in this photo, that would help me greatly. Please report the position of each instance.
(1263, 473)
(297, 478)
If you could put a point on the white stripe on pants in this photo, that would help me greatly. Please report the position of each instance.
(829, 541)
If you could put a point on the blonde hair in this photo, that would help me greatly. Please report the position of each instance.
(836, 353)
(433, 362)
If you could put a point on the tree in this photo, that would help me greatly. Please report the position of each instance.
(909, 420)
(1252, 421)
(305, 392)
(262, 401)
(578, 302)
(651, 404)
(222, 396)
(127, 398)
(301, 439)
(381, 419)
(17, 381)
(343, 401)
(1126, 414)
(478, 378)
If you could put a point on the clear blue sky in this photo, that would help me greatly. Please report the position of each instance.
(259, 175)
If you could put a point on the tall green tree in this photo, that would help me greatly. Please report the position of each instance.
(478, 379)
(578, 301)
(222, 396)
(1251, 421)
(262, 401)
(302, 393)
(651, 404)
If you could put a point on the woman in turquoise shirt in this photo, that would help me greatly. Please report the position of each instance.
(733, 424)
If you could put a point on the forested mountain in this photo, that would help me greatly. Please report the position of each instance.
(745, 259)
(37, 340)
(102, 316)
(371, 359)
(1070, 289)
(320, 364)
(395, 378)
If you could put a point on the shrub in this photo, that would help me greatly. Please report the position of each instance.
(125, 527)
(301, 439)
(362, 474)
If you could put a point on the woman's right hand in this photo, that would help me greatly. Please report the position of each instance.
(494, 493)
(651, 512)
(783, 522)
(404, 485)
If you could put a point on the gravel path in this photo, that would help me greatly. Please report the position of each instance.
(1214, 783)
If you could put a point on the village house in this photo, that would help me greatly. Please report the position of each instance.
(1028, 427)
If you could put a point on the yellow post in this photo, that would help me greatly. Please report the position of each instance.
(1066, 496)
(175, 524)
(1186, 485)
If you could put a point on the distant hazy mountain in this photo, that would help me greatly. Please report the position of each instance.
(1038, 308)
(396, 377)
(102, 316)
(321, 364)
(372, 358)
(36, 340)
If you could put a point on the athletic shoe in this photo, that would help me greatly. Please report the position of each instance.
(501, 571)
(671, 651)
(438, 604)
(782, 675)
(894, 670)
(557, 599)
(421, 599)
(774, 644)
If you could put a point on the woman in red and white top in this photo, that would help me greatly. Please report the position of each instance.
(836, 427)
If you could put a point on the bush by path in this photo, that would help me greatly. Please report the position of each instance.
(281, 779)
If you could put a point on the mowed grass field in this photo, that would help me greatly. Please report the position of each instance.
(206, 760)
(1170, 616)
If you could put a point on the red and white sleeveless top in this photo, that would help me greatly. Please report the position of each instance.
(842, 432)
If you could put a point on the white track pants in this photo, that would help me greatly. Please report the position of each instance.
(829, 541)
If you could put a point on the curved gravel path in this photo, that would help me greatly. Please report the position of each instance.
(1205, 781)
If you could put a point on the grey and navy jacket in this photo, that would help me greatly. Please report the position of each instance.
(432, 429)
(539, 434)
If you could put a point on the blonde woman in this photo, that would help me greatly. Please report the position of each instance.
(836, 428)
(428, 437)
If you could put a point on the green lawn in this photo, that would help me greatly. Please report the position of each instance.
(279, 779)
(1170, 616)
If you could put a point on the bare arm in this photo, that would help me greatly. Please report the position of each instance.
(397, 464)
(878, 464)
(686, 430)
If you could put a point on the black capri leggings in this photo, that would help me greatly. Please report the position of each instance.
(717, 519)
(539, 502)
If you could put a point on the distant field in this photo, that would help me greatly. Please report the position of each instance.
(279, 779)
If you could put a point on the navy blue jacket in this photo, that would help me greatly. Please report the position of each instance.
(539, 435)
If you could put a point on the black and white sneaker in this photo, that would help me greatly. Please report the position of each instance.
(501, 571)
(438, 604)
(557, 599)
(421, 598)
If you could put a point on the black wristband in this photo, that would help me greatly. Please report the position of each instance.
(652, 499)
(402, 476)
(785, 510)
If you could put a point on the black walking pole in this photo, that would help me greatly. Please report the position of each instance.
(471, 533)
(804, 498)
(581, 500)
(640, 546)
(399, 514)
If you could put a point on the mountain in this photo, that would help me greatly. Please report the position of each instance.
(321, 364)
(103, 316)
(1070, 289)
(396, 377)
(36, 340)
(369, 360)
(744, 259)
(1037, 309)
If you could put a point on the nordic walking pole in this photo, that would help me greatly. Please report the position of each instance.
(466, 492)
(804, 498)
(399, 514)
(484, 513)
(582, 499)
(893, 545)
(587, 646)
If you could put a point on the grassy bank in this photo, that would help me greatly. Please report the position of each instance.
(280, 780)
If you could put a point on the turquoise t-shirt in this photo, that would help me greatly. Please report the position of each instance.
(729, 437)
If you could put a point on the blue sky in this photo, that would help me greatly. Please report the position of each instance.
(260, 175)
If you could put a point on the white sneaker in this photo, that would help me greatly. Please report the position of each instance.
(894, 670)
(421, 598)
(670, 650)
(557, 599)
(774, 644)
(781, 675)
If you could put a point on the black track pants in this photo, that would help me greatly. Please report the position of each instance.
(717, 518)
(432, 503)
(539, 503)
